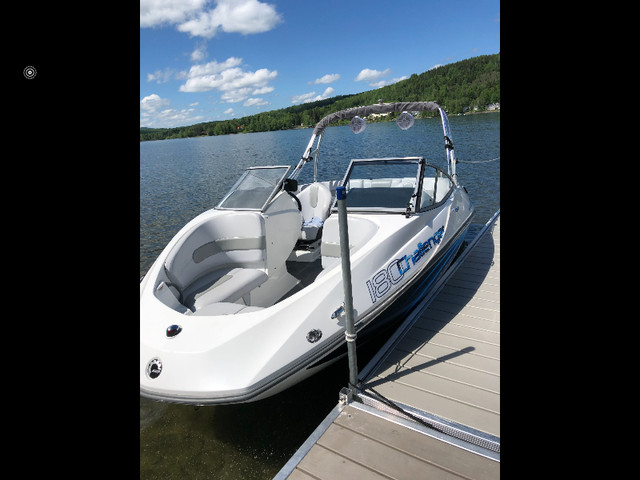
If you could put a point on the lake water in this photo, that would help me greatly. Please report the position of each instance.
(183, 177)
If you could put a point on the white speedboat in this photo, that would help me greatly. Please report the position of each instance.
(246, 299)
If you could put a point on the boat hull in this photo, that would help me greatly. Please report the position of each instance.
(278, 342)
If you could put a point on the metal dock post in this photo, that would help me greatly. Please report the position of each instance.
(350, 330)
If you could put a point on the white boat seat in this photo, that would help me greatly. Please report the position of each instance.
(224, 308)
(227, 285)
(236, 239)
(316, 201)
(361, 231)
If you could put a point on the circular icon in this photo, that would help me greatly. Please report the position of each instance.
(29, 72)
(154, 368)
(314, 335)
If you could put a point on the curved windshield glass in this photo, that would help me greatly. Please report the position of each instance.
(435, 186)
(382, 184)
(395, 185)
(255, 188)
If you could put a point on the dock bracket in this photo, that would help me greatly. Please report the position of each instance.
(345, 396)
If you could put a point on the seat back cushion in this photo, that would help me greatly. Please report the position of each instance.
(221, 241)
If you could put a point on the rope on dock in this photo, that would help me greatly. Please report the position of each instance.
(391, 404)
(367, 395)
(478, 161)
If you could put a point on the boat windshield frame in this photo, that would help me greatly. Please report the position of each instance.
(414, 204)
(244, 195)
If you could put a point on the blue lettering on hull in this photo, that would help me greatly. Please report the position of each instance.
(380, 283)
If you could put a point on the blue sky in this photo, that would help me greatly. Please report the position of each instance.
(207, 60)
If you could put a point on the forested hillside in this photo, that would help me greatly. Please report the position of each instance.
(471, 84)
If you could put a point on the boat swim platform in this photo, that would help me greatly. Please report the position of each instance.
(428, 404)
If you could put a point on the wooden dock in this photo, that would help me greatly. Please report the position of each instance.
(428, 405)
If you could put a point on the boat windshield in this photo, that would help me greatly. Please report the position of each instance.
(255, 188)
(382, 184)
(395, 185)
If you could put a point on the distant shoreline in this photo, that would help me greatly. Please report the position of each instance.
(310, 126)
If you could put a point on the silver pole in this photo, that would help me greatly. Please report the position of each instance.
(350, 331)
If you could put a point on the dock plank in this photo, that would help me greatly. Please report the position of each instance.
(380, 456)
(471, 321)
(440, 368)
(448, 363)
(429, 450)
(454, 342)
(322, 463)
(460, 330)
(481, 413)
(365, 446)
(432, 352)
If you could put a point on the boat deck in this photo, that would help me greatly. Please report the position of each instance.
(428, 405)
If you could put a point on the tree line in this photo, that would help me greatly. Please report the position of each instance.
(471, 84)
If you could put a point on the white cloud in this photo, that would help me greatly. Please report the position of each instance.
(303, 98)
(229, 78)
(154, 13)
(160, 76)
(328, 78)
(200, 53)
(228, 111)
(235, 95)
(198, 19)
(328, 92)
(369, 75)
(177, 118)
(374, 77)
(382, 83)
(152, 103)
(154, 114)
(255, 102)
(312, 97)
(263, 90)
(255, 80)
(210, 69)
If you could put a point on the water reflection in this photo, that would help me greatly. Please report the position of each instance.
(244, 441)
